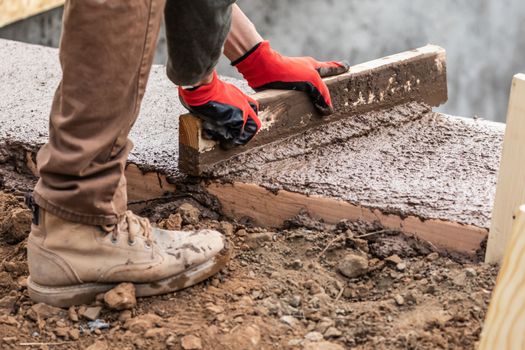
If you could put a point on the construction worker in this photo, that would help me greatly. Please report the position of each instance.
(84, 240)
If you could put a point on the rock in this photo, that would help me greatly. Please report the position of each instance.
(142, 323)
(122, 297)
(6, 281)
(460, 279)
(9, 321)
(74, 334)
(295, 301)
(323, 325)
(16, 225)
(353, 266)
(9, 301)
(256, 240)
(313, 337)
(394, 259)
(226, 228)
(246, 337)
(313, 287)
(470, 272)
(295, 265)
(72, 314)
(173, 222)
(214, 309)
(98, 345)
(273, 306)
(191, 342)
(156, 333)
(99, 299)
(189, 214)
(332, 332)
(323, 345)
(22, 281)
(171, 342)
(399, 300)
(290, 321)
(90, 313)
(360, 244)
(295, 342)
(9, 340)
(410, 298)
(43, 311)
(401, 266)
(433, 256)
(124, 316)
(241, 233)
(61, 332)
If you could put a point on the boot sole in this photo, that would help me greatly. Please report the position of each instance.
(85, 294)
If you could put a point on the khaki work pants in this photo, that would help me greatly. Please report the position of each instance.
(106, 53)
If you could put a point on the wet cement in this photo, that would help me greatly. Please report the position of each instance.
(406, 160)
(29, 75)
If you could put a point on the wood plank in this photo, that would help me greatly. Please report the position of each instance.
(142, 185)
(504, 327)
(15, 10)
(268, 209)
(417, 75)
(510, 191)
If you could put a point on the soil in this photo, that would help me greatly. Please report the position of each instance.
(283, 290)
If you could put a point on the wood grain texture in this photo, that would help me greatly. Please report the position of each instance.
(15, 10)
(241, 200)
(144, 186)
(417, 75)
(504, 327)
(510, 191)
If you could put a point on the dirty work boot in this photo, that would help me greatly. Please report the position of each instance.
(70, 263)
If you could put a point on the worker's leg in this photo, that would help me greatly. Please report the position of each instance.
(83, 241)
(196, 31)
(106, 52)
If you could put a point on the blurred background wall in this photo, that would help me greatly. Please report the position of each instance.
(485, 39)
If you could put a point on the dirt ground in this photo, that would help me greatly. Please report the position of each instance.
(284, 289)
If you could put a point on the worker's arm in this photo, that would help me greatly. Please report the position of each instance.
(231, 116)
(265, 68)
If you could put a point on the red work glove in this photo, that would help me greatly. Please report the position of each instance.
(265, 68)
(229, 116)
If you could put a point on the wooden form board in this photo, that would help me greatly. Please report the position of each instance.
(417, 75)
(510, 191)
(241, 200)
(15, 10)
(141, 185)
(504, 327)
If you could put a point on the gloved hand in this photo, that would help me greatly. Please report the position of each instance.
(265, 68)
(229, 116)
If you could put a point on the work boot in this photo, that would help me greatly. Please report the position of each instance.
(70, 263)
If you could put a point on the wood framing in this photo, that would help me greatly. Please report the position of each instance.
(510, 191)
(142, 185)
(240, 200)
(417, 75)
(505, 322)
(15, 10)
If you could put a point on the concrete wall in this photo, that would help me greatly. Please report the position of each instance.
(485, 39)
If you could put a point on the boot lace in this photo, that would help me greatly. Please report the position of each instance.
(133, 226)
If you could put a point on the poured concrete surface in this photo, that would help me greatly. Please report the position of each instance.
(29, 75)
(407, 161)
